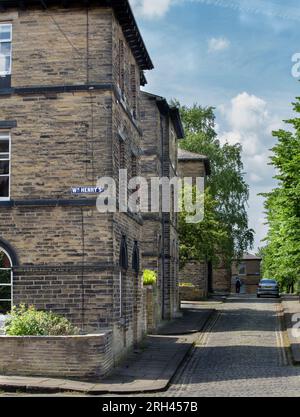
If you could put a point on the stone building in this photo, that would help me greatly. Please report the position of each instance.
(248, 270)
(162, 128)
(70, 76)
(197, 274)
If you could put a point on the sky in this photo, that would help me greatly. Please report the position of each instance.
(236, 56)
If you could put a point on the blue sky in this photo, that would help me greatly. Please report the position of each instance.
(234, 55)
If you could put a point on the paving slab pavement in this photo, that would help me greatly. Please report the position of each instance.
(291, 307)
(149, 369)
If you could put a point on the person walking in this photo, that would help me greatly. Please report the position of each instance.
(238, 285)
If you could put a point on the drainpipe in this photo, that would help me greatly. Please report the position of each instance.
(162, 221)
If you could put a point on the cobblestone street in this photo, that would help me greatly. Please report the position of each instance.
(241, 354)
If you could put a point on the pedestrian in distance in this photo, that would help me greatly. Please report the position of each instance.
(238, 285)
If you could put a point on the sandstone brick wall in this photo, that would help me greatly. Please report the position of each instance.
(221, 279)
(130, 68)
(60, 142)
(68, 252)
(195, 273)
(152, 308)
(160, 238)
(87, 357)
(45, 57)
(191, 168)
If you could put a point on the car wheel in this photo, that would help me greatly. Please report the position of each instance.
(258, 296)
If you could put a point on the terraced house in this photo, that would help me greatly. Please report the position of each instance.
(162, 129)
(70, 78)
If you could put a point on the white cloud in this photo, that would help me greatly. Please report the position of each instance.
(248, 120)
(250, 123)
(273, 13)
(218, 44)
(151, 8)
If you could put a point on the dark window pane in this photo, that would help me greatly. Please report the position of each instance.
(4, 260)
(4, 145)
(4, 186)
(5, 307)
(4, 167)
(5, 277)
(5, 292)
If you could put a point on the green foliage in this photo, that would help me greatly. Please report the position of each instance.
(186, 284)
(224, 233)
(149, 277)
(25, 321)
(281, 256)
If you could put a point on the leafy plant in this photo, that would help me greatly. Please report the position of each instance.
(27, 321)
(149, 277)
(224, 234)
(281, 256)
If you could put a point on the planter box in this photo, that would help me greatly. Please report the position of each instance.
(86, 357)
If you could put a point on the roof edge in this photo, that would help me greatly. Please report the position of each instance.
(123, 13)
(166, 109)
(201, 158)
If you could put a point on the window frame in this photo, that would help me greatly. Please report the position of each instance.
(242, 264)
(8, 134)
(6, 73)
(11, 279)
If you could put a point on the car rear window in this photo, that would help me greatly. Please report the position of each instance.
(268, 281)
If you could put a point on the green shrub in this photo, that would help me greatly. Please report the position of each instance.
(149, 277)
(25, 321)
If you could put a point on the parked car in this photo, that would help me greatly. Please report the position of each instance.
(268, 287)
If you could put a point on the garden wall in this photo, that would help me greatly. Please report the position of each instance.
(79, 357)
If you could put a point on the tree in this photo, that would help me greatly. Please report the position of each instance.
(224, 233)
(281, 256)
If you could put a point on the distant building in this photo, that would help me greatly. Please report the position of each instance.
(248, 270)
(196, 273)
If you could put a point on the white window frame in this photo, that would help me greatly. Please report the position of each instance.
(11, 279)
(8, 136)
(4, 73)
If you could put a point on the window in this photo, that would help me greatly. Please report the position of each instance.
(123, 263)
(121, 65)
(4, 166)
(5, 282)
(134, 170)
(5, 48)
(133, 90)
(122, 162)
(136, 258)
(242, 269)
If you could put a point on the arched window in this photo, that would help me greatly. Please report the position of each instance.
(6, 279)
(136, 258)
(123, 263)
(123, 254)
